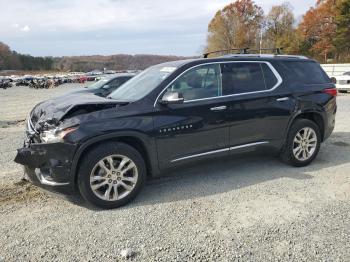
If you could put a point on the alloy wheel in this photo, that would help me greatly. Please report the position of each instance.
(113, 177)
(304, 144)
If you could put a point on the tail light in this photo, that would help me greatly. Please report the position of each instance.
(330, 91)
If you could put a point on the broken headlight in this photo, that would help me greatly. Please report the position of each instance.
(56, 135)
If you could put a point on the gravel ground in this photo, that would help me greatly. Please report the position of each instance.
(251, 208)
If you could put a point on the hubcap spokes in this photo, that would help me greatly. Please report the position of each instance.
(113, 177)
(304, 144)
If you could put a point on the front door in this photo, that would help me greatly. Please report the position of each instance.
(196, 128)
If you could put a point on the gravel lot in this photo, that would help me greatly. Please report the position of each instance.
(252, 208)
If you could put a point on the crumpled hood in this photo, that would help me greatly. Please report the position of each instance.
(52, 111)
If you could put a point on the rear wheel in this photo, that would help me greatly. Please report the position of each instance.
(303, 143)
(111, 175)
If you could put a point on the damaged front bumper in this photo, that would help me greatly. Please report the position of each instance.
(48, 165)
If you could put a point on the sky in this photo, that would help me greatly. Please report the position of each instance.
(105, 27)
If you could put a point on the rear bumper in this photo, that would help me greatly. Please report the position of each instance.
(48, 165)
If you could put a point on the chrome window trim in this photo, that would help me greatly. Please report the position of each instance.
(219, 151)
(274, 71)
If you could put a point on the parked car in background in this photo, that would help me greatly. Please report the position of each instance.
(5, 83)
(343, 82)
(82, 79)
(106, 85)
(175, 113)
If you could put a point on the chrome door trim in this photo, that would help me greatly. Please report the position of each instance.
(219, 151)
(248, 145)
(201, 154)
(274, 71)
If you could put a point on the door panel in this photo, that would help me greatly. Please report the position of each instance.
(189, 129)
(256, 111)
(257, 118)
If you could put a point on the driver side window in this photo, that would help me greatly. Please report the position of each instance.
(198, 83)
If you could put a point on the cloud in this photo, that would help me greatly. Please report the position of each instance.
(114, 22)
(25, 28)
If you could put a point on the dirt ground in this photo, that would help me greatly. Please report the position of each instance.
(251, 208)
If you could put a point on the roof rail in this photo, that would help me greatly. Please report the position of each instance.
(276, 51)
(241, 51)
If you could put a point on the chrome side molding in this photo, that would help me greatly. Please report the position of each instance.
(220, 151)
(249, 145)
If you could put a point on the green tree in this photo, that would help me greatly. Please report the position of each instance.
(342, 34)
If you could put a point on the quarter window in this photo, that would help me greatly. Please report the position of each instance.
(198, 83)
(269, 76)
(243, 78)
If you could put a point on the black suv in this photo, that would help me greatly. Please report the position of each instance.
(174, 113)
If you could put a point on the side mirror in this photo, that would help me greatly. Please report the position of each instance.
(106, 87)
(333, 80)
(172, 98)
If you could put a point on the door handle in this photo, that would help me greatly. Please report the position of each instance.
(218, 108)
(282, 99)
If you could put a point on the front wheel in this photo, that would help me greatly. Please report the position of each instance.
(111, 175)
(303, 143)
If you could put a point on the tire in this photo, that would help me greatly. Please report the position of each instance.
(299, 126)
(95, 164)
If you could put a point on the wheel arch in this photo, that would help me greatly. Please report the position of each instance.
(144, 145)
(312, 115)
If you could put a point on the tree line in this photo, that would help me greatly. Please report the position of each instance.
(11, 60)
(323, 32)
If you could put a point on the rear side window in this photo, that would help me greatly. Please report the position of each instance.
(244, 78)
(307, 72)
(269, 76)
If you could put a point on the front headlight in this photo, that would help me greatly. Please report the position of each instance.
(56, 135)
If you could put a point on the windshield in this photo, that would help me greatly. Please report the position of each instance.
(98, 84)
(142, 84)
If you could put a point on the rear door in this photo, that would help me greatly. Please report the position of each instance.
(260, 105)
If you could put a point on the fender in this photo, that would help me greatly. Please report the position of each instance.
(149, 145)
